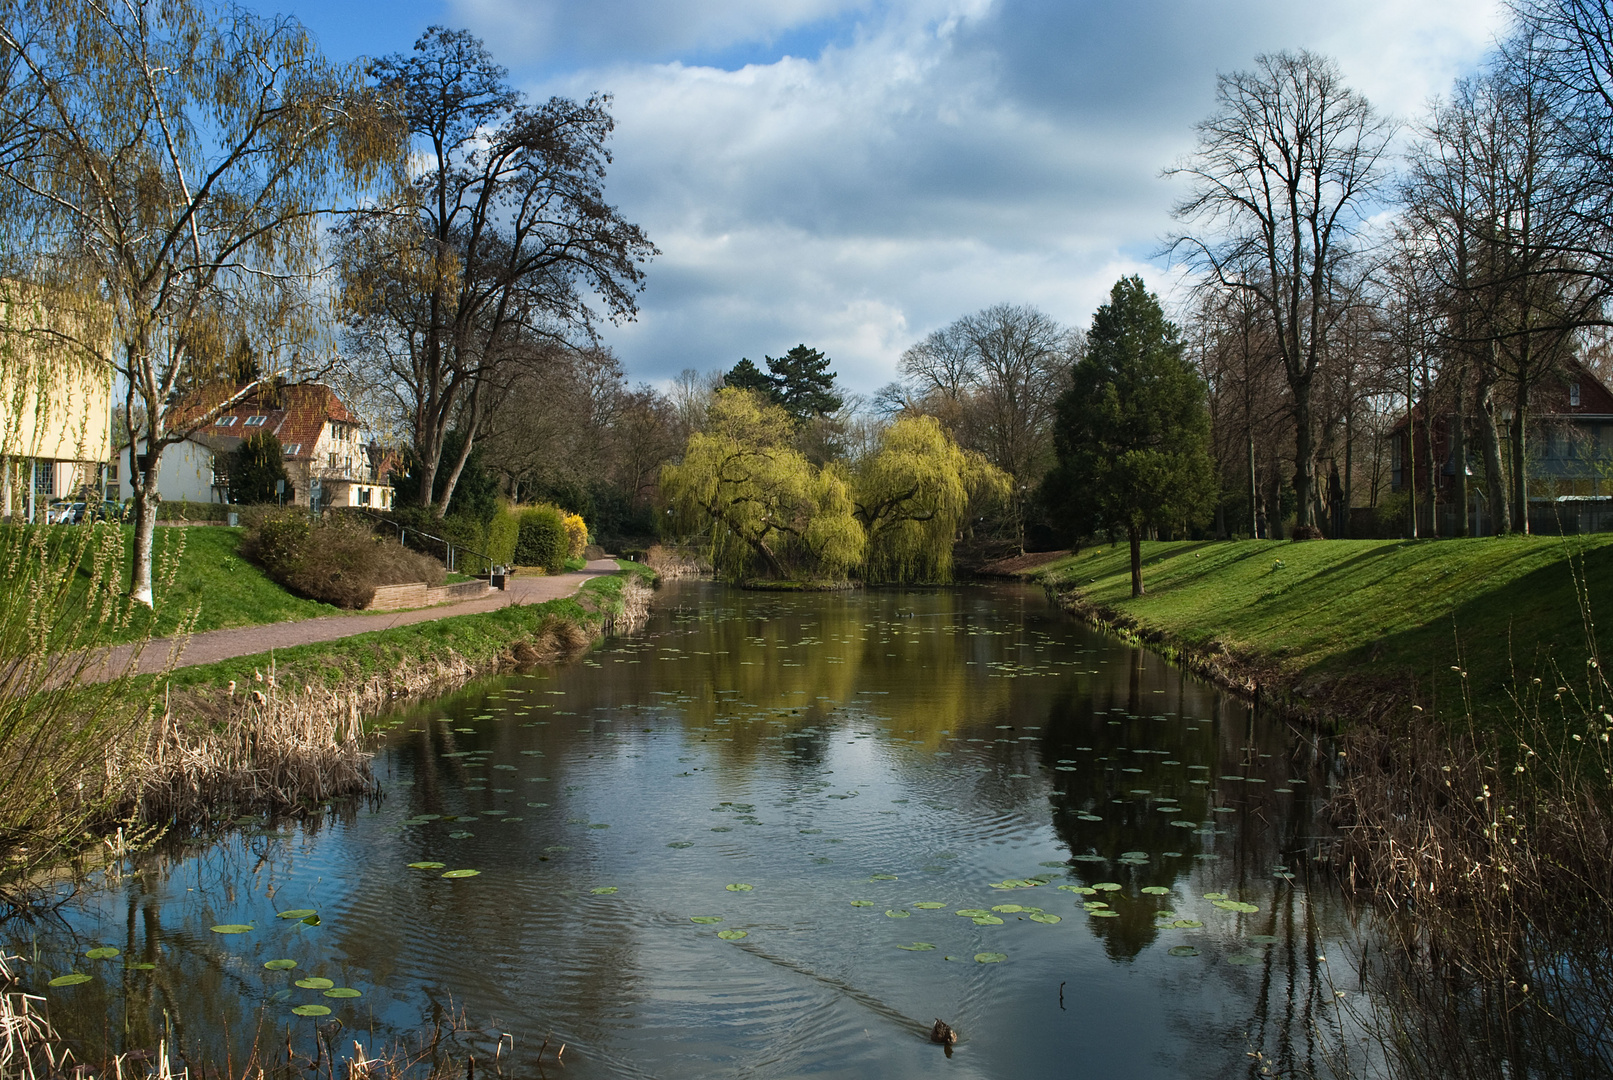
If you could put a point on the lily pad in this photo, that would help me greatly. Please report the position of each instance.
(1238, 906)
(1080, 890)
(461, 873)
(988, 920)
(295, 913)
(1056, 865)
(71, 980)
(140, 967)
(1184, 950)
(1007, 909)
(990, 957)
(460, 835)
(705, 920)
(681, 844)
(1044, 917)
(883, 877)
(603, 890)
(1104, 914)
(862, 903)
(1155, 890)
(315, 984)
(1215, 896)
(343, 992)
(105, 952)
(1263, 939)
(973, 912)
(1134, 854)
(232, 928)
(1107, 886)
(739, 887)
(427, 865)
(311, 1010)
(918, 946)
(897, 913)
(311, 920)
(1094, 905)
(279, 965)
(929, 905)
(1186, 924)
(732, 935)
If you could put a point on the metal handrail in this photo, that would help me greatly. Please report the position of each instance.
(444, 541)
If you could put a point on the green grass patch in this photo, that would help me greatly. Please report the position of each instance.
(1504, 609)
(480, 638)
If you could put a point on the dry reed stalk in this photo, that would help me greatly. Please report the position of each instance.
(670, 564)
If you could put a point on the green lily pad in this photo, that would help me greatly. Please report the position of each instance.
(1263, 939)
(295, 913)
(1007, 909)
(1186, 924)
(343, 992)
(739, 887)
(883, 877)
(279, 965)
(1094, 905)
(427, 865)
(311, 1010)
(140, 967)
(929, 905)
(1107, 886)
(603, 890)
(896, 913)
(1104, 914)
(918, 946)
(1215, 896)
(732, 935)
(1078, 889)
(1057, 865)
(1238, 906)
(460, 835)
(1044, 917)
(1246, 959)
(461, 873)
(988, 920)
(862, 903)
(1155, 890)
(705, 920)
(71, 980)
(310, 920)
(105, 952)
(990, 957)
(1134, 854)
(315, 983)
(1184, 950)
(972, 912)
(232, 928)
(681, 844)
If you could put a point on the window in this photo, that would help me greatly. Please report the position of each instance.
(256, 421)
(1573, 395)
(333, 459)
(226, 421)
(44, 478)
(112, 471)
(364, 496)
(291, 449)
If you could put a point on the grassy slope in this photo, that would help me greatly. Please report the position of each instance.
(212, 577)
(1385, 609)
(479, 638)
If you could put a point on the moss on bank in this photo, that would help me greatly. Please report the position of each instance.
(1354, 627)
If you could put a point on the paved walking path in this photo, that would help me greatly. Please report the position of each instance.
(214, 645)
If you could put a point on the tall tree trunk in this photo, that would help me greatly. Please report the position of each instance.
(1431, 473)
(1254, 484)
(1459, 453)
(1304, 452)
(1409, 481)
(1495, 481)
(144, 482)
(1520, 459)
(1135, 535)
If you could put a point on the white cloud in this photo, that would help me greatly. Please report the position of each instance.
(939, 157)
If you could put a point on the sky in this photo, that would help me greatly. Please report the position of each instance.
(853, 174)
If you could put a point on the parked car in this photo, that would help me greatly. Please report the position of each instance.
(105, 510)
(59, 512)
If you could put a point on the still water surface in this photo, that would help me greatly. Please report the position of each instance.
(833, 777)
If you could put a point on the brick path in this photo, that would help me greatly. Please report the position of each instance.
(214, 645)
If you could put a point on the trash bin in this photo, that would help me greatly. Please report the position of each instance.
(496, 578)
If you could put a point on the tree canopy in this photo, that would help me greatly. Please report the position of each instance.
(1132, 436)
(255, 467)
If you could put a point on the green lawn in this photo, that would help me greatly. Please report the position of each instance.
(1504, 608)
(211, 578)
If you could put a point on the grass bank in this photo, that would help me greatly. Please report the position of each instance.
(1354, 627)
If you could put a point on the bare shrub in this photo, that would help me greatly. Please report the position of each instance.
(670, 564)
(337, 560)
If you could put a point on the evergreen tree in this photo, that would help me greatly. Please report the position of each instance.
(803, 383)
(1132, 434)
(254, 467)
(747, 376)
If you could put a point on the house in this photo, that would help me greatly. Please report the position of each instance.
(1568, 471)
(55, 409)
(327, 462)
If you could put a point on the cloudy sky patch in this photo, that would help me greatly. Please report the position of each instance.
(852, 174)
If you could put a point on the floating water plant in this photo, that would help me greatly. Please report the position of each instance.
(1183, 950)
(739, 887)
(73, 979)
(988, 920)
(1044, 917)
(705, 920)
(972, 913)
(232, 928)
(990, 957)
(315, 983)
(1155, 890)
(929, 905)
(279, 965)
(295, 913)
(1107, 886)
(1238, 906)
(311, 1010)
(862, 903)
(461, 873)
(343, 992)
(603, 890)
(896, 913)
(105, 952)
(732, 935)
(918, 946)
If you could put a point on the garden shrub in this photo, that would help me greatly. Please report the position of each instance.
(576, 534)
(338, 560)
(503, 532)
(542, 539)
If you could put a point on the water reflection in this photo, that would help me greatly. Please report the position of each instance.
(857, 759)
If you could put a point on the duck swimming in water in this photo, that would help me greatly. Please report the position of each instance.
(942, 1033)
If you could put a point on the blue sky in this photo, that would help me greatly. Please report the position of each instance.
(852, 174)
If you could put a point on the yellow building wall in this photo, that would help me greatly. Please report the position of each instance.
(55, 400)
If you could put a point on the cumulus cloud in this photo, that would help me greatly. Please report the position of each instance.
(919, 159)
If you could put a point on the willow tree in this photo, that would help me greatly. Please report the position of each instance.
(164, 166)
(760, 503)
(913, 493)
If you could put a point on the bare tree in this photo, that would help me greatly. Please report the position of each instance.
(510, 239)
(163, 169)
(1281, 178)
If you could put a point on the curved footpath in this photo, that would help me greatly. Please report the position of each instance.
(214, 645)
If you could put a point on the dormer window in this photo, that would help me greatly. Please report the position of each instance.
(1573, 395)
(256, 421)
(292, 449)
(227, 421)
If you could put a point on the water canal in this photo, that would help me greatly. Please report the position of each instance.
(768, 836)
